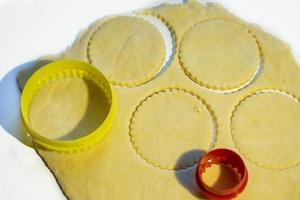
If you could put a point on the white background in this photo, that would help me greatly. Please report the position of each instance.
(33, 28)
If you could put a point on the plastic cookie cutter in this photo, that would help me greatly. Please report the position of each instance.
(228, 158)
(65, 69)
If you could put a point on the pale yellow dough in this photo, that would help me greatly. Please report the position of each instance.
(171, 117)
(223, 59)
(266, 122)
(262, 128)
(128, 50)
(68, 108)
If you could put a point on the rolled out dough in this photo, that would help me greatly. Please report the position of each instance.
(263, 128)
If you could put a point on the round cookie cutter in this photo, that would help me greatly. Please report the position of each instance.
(64, 69)
(227, 157)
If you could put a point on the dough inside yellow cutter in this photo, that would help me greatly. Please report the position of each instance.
(262, 128)
(68, 108)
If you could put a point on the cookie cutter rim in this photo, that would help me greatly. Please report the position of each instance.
(34, 84)
(221, 156)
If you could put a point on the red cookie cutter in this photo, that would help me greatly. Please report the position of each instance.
(227, 157)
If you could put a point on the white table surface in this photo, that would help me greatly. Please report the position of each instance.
(33, 28)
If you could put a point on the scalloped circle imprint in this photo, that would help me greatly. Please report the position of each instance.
(171, 118)
(128, 50)
(220, 60)
(263, 126)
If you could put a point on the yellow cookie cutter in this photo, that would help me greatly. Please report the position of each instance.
(62, 69)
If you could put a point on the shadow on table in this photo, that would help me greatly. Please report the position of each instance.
(10, 93)
(186, 177)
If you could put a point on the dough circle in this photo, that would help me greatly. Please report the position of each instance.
(168, 123)
(128, 50)
(263, 126)
(220, 60)
(68, 108)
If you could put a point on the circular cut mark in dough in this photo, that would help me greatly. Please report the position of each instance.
(169, 38)
(68, 108)
(168, 124)
(220, 55)
(265, 128)
(128, 50)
